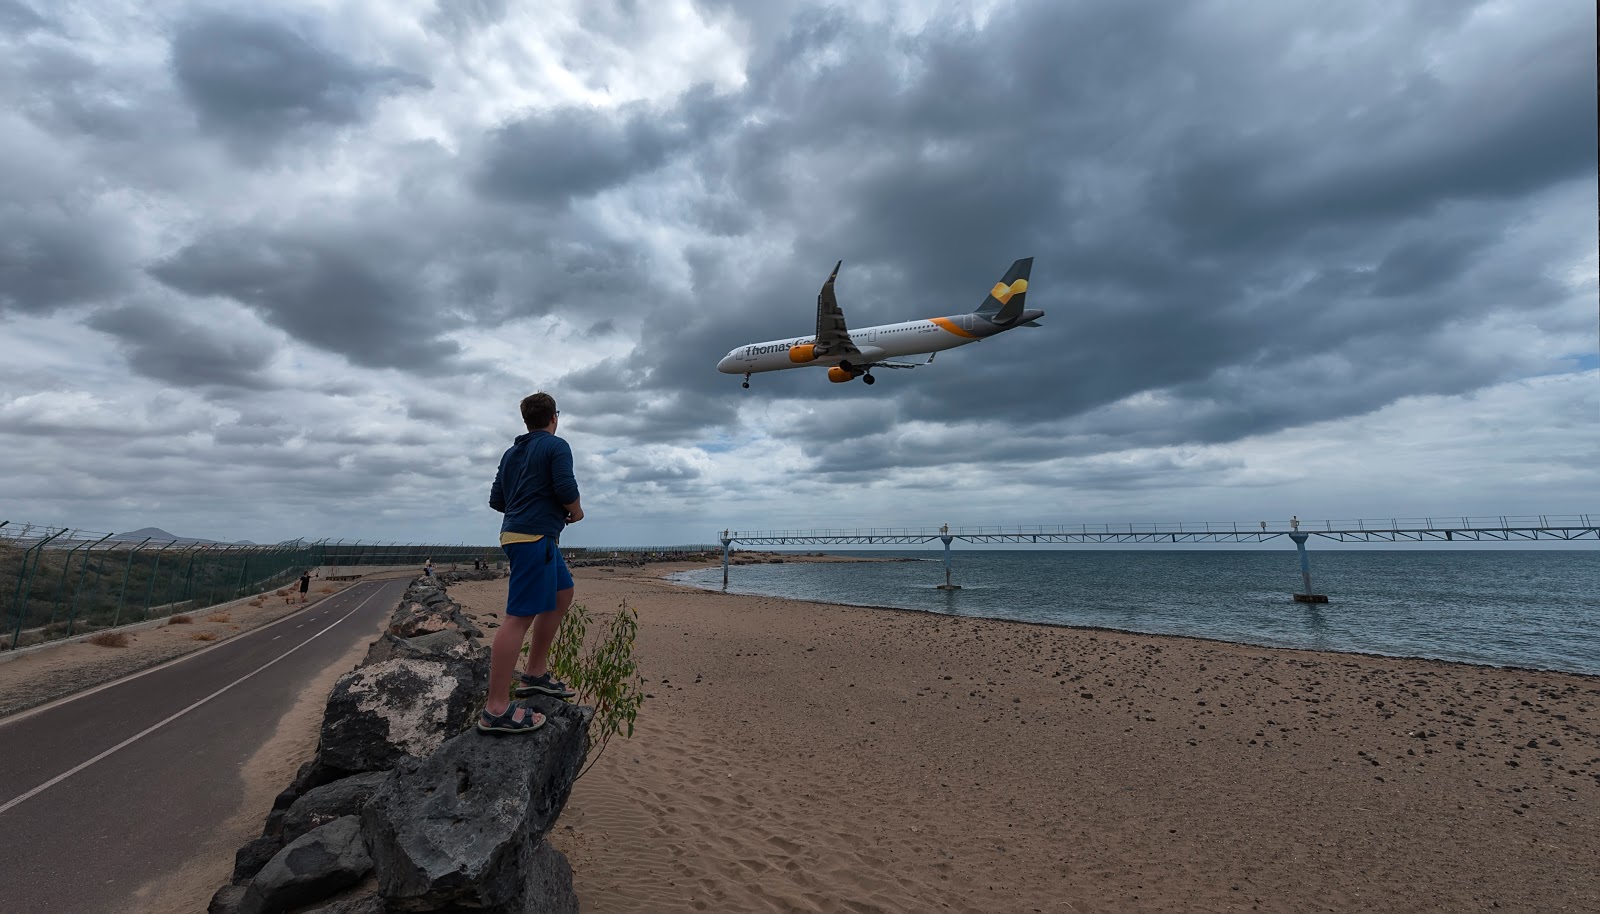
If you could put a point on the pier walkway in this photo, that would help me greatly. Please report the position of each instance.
(1499, 528)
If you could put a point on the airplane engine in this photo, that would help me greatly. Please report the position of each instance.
(838, 375)
(803, 354)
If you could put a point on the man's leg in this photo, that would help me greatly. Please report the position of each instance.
(545, 626)
(503, 660)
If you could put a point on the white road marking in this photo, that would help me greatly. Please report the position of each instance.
(156, 726)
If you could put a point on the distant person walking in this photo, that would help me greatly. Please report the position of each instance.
(305, 584)
(427, 568)
(538, 494)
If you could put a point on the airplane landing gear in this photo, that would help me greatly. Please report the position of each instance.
(868, 379)
(747, 380)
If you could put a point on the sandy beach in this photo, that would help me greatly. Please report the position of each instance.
(807, 757)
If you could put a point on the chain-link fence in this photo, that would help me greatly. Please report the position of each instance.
(57, 582)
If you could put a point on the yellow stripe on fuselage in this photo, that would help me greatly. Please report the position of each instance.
(950, 325)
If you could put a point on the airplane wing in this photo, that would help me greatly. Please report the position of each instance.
(833, 337)
(905, 364)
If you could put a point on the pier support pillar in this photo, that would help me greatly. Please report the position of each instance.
(1305, 571)
(725, 543)
(944, 535)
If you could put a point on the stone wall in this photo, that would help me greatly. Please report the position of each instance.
(406, 806)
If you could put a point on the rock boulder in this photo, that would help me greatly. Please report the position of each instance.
(330, 801)
(377, 714)
(465, 826)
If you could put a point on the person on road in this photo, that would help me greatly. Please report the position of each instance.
(305, 584)
(535, 489)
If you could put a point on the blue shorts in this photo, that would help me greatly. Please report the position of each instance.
(538, 572)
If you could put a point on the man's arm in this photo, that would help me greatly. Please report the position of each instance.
(566, 485)
(497, 498)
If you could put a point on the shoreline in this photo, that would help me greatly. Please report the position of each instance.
(807, 756)
(689, 566)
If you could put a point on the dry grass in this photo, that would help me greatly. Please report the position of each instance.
(111, 639)
(326, 589)
(282, 592)
(259, 601)
(204, 636)
(219, 617)
(179, 620)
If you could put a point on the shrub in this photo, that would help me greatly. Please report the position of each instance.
(219, 617)
(259, 601)
(204, 636)
(281, 592)
(179, 620)
(604, 674)
(110, 639)
(326, 588)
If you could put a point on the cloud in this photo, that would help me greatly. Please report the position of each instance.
(318, 255)
(165, 347)
(252, 80)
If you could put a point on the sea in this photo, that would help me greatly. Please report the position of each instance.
(1509, 608)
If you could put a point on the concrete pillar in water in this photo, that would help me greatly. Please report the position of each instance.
(944, 535)
(1305, 569)
(725, 542)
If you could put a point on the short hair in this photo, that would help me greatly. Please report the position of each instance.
(538, 409)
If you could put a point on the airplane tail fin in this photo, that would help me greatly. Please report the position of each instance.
(1005, 301)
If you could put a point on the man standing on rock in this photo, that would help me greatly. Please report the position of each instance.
(538, 494)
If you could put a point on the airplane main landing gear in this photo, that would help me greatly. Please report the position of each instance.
(747, 380)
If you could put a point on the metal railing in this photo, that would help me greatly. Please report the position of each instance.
(57, 582)
(1393, 529)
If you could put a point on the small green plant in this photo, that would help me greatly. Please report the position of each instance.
(604, 673)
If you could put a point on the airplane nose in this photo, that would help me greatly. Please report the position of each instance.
(722, 366)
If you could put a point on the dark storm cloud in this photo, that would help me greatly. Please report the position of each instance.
(1200, 222)
(19, 17)
(56, 255)
(167, 348)
(333, 293)
(572, 152)
(252, 79)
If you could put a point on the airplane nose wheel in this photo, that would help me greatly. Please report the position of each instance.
(747, 380)
(868, 379)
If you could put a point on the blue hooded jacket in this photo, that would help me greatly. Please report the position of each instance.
(534, 485)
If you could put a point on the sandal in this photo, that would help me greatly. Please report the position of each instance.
(543, 685)
(508, 723)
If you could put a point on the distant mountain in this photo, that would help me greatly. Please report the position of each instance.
(155, 533)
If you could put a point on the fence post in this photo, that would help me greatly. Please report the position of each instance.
(72, 613)
(150, 591)
(25, 583)
(61, 585)
(123, 593)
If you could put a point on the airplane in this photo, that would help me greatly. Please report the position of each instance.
(848, 355)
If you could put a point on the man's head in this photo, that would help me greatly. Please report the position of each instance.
(538, 411)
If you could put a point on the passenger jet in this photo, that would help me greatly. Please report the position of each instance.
(848, 356)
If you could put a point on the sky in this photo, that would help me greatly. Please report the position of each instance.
(285, 270)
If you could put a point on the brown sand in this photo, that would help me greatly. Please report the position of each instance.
(806, 757)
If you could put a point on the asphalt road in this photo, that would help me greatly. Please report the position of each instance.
(103, 792)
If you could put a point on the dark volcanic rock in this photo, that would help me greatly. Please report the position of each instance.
(360, 904)
(547, 886)
(463, 827)
(379, 713)
(415, 618)
(324, 861)
(249, 860)
(226, 900)
(449, 644)
(311, 775)
(328, 802)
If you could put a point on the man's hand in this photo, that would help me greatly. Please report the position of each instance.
(574, 513)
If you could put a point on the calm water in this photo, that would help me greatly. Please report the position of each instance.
(1510, 608)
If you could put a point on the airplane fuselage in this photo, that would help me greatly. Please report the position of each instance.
(923, 337)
